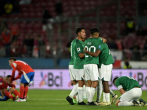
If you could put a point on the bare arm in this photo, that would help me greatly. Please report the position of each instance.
(104, 40)
(122, 91)
(94, 54)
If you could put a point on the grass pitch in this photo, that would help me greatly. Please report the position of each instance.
(55, 100)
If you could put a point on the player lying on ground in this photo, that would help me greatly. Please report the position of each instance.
(130, 90)
(6, 94)
(25, 72)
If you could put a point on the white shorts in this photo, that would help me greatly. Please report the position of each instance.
(105, 72)
(72, 72)
(133, 94)
(91, 72)
(79, 74)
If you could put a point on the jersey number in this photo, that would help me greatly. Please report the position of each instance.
(90, 49)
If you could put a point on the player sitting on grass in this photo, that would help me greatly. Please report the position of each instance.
(6, 94)
(130, 90)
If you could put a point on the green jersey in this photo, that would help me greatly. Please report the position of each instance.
(78, 62)
(105, 56)
(92, 45)
(126, 82)
(72, 46)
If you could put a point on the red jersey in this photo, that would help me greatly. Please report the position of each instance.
(21, 67)
(4, 85)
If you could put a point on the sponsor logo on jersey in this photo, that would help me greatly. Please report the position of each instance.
(88, 43)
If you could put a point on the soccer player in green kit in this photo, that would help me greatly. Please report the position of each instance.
(72, 74)
(105, 69)
(130, 91)
(91, 64)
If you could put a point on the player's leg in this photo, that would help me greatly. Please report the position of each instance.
(14, 91)
(129, 98)
(84, 90)
(99, 89)
(94, 78)
(8, 95)
(75, 85)
(114, 96)
(25, 90)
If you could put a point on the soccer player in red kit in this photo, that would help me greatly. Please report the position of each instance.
(25, 73)
(4, 93)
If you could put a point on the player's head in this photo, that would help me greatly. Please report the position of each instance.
(7, 79)
(94, 32)
(11, 60)
(115, 80)
(81, 33)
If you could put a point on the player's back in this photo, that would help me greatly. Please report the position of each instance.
(105, 55)
(2, 84)
(22, 66)
(127, 82)
(91, 45)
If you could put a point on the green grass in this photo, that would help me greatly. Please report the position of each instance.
(55, 100)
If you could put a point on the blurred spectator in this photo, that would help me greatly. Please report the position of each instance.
(59, 9)
(23, 2)
(119, 44)
(7, 37)
(136, 52)
(45, 17)
(29, 42)
(127, 64)
(14, 30)
(130, 28)
(2, 49)
(140, 32)
(111, 44)
(8, 8)
(14, 49)
(3, 25)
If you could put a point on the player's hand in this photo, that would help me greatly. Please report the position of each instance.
(85, 50)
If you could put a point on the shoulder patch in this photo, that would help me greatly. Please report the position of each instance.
(99, 46)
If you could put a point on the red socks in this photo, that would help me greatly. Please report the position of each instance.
(25, 91)
(21, 92)
(16, 93)
(8, 94)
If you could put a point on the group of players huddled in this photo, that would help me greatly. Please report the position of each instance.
(91, 68)
(26, 76)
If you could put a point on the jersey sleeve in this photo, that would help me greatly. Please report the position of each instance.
(100, 47)
(118, 85)
(13, 70)
(12, 85)
(79, 47)
(99, 42)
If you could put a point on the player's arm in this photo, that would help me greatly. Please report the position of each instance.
(17, 77)
(122, 91)
(94, 54)
(79, 50)
(13, 72)
(12, 85)
(104, 40)
(81, 55)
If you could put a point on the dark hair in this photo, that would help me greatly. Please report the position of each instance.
(12, 58)
(115, 79)
(8, 76)
(93, 30)
(79, 30)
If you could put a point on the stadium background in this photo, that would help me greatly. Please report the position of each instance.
(39, 32)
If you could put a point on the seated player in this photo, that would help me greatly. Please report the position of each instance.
(6, 94)
(130, 90)
(25, 72)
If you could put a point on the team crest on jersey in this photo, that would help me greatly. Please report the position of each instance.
(78, 49)
(88, 43)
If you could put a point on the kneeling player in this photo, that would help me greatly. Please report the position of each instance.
(130, 90)
(6, 94)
